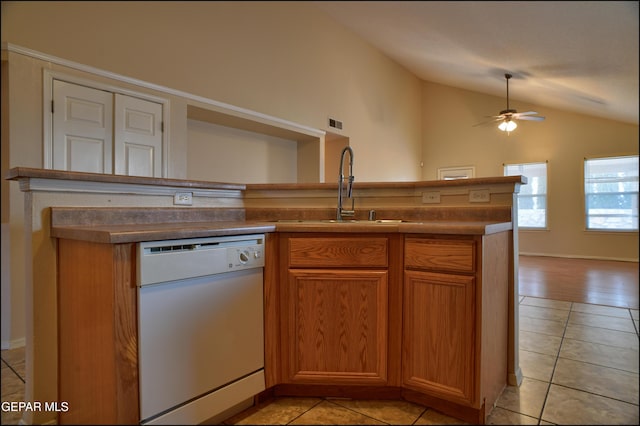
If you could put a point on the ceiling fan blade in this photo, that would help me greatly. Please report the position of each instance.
(530, 118)
(524, 113)
(495, 120)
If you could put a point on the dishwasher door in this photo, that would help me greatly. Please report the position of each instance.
(196, 336)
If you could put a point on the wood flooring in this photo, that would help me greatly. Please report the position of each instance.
(601, 282)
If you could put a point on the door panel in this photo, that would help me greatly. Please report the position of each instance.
(82, 128)
(338, 326)
(138, 137)
(85, 154)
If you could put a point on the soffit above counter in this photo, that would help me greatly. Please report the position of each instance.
(253, 123)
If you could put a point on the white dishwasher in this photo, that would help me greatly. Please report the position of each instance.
(200, 327)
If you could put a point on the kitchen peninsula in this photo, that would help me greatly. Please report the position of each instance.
(458, 252)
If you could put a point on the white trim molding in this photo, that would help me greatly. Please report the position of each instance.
(57, 185)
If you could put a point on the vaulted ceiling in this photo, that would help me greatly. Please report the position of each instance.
(579, 56)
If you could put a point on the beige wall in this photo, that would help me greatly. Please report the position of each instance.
(284, 59)
(221, 154)
(564, 139)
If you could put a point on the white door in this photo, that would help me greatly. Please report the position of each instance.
(138, 137)
(82, 128)
(101, 132)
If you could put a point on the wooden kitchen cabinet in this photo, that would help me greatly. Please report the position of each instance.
(97, 333)
(422, 317)
(336, 322)
(438, 337)
(455, 322)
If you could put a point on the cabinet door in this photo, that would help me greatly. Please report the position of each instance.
(337, 326)
(438, 335)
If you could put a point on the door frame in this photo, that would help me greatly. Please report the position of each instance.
(47, 115)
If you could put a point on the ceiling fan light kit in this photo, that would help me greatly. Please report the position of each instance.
(507, 116)
(507, 126)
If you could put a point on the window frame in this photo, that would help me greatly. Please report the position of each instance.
(585, 216)
(545, 227)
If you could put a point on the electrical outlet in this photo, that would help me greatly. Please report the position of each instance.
(183, 198)
(479, 196)
(432, 197)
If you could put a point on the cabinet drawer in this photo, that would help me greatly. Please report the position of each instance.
(444, 255)
(337, 252)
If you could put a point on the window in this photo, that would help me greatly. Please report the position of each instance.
(611, 193)
(532, 199)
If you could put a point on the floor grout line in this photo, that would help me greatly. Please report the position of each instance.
(555, 363)
(14, 371)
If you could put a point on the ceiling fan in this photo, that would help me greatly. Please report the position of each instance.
(508, 116)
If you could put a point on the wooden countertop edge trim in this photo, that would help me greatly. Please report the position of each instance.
(18, 173)
(392, 185)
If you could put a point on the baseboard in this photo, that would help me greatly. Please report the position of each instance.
(568, 256)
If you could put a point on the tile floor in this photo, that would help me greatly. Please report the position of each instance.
(13, 375)
(580, 364)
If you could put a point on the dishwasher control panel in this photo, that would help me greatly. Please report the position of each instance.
(248, 256)
(170, 260)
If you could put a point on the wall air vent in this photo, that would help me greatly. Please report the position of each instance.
(335, 124)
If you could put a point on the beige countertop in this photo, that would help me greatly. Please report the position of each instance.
(131, 233)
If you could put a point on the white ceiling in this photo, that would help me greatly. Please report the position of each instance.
(578, 56)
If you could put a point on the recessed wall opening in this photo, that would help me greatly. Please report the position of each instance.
(333, 145)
